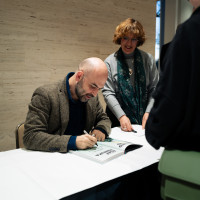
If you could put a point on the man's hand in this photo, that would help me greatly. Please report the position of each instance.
(98, 135)
(85, 141)
(125, 123)
(144, 120)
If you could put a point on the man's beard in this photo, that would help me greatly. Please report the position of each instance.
(80, 92)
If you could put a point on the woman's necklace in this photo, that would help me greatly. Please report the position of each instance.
(131, 67)
(130, 63)
(130, 71)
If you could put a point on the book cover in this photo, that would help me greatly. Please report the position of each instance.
(107, 150)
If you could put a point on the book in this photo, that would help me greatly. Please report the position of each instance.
(107, 150)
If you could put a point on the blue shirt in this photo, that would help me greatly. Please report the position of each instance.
(76, 117)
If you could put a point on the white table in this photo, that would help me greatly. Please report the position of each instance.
(38, 175)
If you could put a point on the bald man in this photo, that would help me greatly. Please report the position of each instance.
(59, 113)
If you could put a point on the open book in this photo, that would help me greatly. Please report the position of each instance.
(107, 150)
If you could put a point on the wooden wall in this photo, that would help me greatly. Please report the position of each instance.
(42, 40)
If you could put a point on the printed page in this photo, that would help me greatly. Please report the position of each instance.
(100, 153)
(119, 144)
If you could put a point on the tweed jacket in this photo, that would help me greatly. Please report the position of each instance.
(48, 117)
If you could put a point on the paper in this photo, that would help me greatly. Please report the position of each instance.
(138, 128)
(107, 150)
(47, 175)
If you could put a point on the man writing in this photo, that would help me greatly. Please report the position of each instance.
(59, 113)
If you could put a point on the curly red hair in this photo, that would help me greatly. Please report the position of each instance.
(129, 26)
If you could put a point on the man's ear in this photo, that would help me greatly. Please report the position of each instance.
(79, 75)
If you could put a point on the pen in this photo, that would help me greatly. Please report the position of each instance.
(134, 131)
(88, 134)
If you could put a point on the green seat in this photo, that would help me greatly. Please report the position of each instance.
(180, 175)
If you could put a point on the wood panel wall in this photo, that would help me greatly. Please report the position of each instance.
(42, 40)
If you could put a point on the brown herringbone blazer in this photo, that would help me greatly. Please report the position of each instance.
(48, 117)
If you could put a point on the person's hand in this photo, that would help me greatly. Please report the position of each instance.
(98, 135)
(85, 141)
(144, 120)
(125, 123)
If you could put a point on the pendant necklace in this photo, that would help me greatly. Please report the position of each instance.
(130, 71)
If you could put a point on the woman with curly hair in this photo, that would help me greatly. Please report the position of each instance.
(132, 78)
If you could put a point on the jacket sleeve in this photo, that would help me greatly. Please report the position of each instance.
(96, 117)
(152, 76)
(37, 135)
(110, 91)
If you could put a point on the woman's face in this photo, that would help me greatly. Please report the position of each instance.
(128, 43)
(195, 3)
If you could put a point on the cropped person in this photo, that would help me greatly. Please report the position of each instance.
(59, 113)
(174, 119)
(132, 78)
(163, 53)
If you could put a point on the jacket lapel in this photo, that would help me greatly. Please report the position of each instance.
(89, 116)
(64, 106)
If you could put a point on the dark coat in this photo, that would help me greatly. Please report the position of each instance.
(175, 117)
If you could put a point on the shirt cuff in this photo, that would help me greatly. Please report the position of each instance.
(72, 143)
